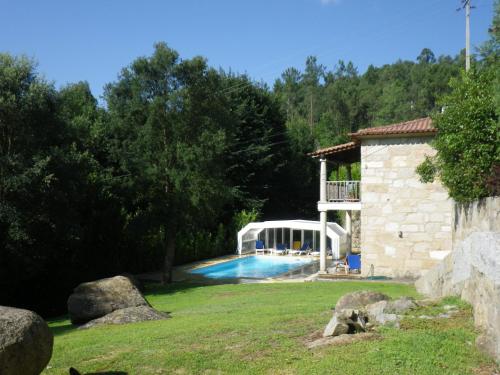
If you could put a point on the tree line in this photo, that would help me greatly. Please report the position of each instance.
(176, 161)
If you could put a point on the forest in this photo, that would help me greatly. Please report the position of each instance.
(179, 156)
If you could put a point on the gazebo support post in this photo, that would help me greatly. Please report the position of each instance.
(322, 218)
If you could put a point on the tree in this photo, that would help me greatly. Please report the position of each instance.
(426, 57)
(167, 137)
(468, 138)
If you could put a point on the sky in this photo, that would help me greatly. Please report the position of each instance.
(92, 40)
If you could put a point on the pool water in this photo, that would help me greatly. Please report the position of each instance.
(257, 266)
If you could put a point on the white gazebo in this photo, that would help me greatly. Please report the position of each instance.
(290, 232)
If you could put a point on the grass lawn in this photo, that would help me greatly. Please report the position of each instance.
(261, 328)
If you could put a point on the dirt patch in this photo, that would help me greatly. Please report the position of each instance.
(343, 339)
(487, 370)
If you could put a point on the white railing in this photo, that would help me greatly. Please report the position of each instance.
(343, 191)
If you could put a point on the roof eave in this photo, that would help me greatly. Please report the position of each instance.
(393, 135)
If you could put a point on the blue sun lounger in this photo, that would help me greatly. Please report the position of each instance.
(280, 249)
(303, 250)
(259, 247)
(354, 262)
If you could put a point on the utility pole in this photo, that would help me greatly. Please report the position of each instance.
(466, 5)
(467, 35)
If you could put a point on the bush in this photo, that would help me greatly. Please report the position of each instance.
(467, 139)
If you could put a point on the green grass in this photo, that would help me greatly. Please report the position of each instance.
(261, 329)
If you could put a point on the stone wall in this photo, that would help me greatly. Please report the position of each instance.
(405, 224)
(472, 270)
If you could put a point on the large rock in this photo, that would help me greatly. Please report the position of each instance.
(389, 312)
(98, 298)
(401, 305)
(335, 327)
(128, 315)
(25, 342)
(346, 321)
(377, 315)
(359, 300)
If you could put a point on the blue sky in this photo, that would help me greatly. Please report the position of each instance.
(92, 40)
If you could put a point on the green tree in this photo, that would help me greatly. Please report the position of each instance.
(166, 137)
(468, 138)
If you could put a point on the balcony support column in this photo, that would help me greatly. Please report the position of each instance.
(348, 228)
(322, 218)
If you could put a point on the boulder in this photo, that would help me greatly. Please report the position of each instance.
(335, 328)
(128, 315)
(400, 305)
(25, 342)
(359, 300)
(377, 315)
(134, 280)
(346, 321)
(97, 298)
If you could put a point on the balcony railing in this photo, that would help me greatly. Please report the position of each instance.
(343, 191)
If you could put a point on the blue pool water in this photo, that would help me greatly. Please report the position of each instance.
(257, 266)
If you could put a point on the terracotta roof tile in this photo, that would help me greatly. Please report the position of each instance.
(419, 126)
(334, 149)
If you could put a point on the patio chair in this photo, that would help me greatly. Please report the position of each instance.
(259, 247)
(317, 253)
(280, 249)
(353, 263)
(303, 250)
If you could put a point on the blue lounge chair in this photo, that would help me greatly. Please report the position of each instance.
(354, 263)
(259, 247)
(280, 249)
(303, 250)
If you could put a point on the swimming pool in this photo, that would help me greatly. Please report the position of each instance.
(257, 266)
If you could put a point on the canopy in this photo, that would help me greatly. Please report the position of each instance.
(288, 231)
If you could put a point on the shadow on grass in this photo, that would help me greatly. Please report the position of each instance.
(62, 329)
(73, 371)
(152, 289)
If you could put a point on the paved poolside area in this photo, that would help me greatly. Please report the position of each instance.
(308, 272)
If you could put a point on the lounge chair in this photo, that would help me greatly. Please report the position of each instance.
(303, 250)
(259, 247)
(280, 249)
(317, 253)
(353, 263)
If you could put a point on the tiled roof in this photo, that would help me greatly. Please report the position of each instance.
(334, 149)
(419, 126)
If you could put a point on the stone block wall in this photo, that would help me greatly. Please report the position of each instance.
(405, 224)
(472, 270)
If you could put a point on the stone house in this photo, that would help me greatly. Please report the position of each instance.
(405, 224)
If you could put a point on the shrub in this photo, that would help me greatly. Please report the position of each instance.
(467, 139)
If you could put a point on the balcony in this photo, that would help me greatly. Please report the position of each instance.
(343, 191)
(341, 196)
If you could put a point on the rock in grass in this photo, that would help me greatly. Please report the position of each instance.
(401, 305)
(359, 300)
(128, 315)
(335, 327)
(97, 298)
(377, 314)
(346, 321)
(25, 342)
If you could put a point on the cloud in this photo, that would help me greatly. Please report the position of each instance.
(328, 2)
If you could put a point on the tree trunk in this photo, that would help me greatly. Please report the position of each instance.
(168, 263)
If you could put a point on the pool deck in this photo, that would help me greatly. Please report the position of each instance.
(305, 273)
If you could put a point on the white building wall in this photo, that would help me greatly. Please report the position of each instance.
(405, 224)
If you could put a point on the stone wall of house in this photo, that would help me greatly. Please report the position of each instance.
(356, 231)
(472, 270)
(405, 224)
